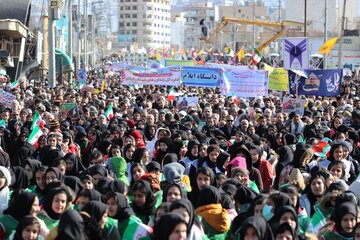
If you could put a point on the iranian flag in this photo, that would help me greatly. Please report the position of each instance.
(171, 95)
(318, 220)
(234, 98)
(34, 136)
(257, 57)
(136, 229)
(2, 77)
(36, 120)
(109, 112)
(14, 84)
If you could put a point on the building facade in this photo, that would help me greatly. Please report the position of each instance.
(144, 24)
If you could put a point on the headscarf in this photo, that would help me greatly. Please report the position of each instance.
(149, 207)
(21, 179)
(49, 197)
(91, 194)
(25, 221)
(244, 195)
(280, 199)
(71, 226)
(165, 192)
(170, 158)
(58, 174)
(34, 165)
(190, 146)
(77, 165)
(261, 227)
(166, 225)
(208, 195)
(116, 186)
(124, 211)
(284, 209)
(20, 205)
(339, 213)
(184, 203)
(97, 169)
(286, 155)
(95, 209)
(286, 227)
(75, 184)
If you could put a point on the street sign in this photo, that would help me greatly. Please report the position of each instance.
(56, 3)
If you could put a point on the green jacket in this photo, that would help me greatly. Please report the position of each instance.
(49, 222)
(333, 235)
(9, 224)
(118, 165)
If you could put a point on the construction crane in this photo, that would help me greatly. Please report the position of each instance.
(279, 29)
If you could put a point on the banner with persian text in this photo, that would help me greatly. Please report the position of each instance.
(245, 83)
(168, 76)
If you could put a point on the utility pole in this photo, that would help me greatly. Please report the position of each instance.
(70, 37)
(79, 19)
(325, 34)
(93, 35)
(85, 34)
(254, 40)
(340, 53)
(305, 17)
(51, 43)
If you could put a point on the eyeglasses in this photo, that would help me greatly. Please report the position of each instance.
(229, 120)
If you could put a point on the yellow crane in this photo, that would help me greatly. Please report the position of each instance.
(279, 29)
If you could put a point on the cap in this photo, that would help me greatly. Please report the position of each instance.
(317, 114)
(153, 166)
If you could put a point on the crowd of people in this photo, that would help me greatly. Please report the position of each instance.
(228, 168)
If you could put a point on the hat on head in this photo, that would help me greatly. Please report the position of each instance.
(54, 124)
(317, 114)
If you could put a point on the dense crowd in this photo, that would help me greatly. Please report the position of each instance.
(228, 168)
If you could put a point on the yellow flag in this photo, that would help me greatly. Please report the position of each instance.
(158, 56)
(240, 54)
(268, 68)
(102, 85)
(326, 47)
(200, 53)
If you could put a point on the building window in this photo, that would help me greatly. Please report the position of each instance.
(134, 32)
(121, 16)
(134, 7)
(128, 24)
(121, 8)
(127, 7)
(134, 15)
(134, 24)
(121, 24)
(127, 15)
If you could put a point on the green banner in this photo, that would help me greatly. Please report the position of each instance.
(179, 62)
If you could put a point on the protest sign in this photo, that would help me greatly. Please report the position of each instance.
(168, 76)
(296, 53)
(279, 80)
(82, 75)
(245, 83)
(6, 98)
(319, 82)
(293, 105)
(201, 76)
(185, 102)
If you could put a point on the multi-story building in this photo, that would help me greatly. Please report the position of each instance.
(239, 36)
(144, 24)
